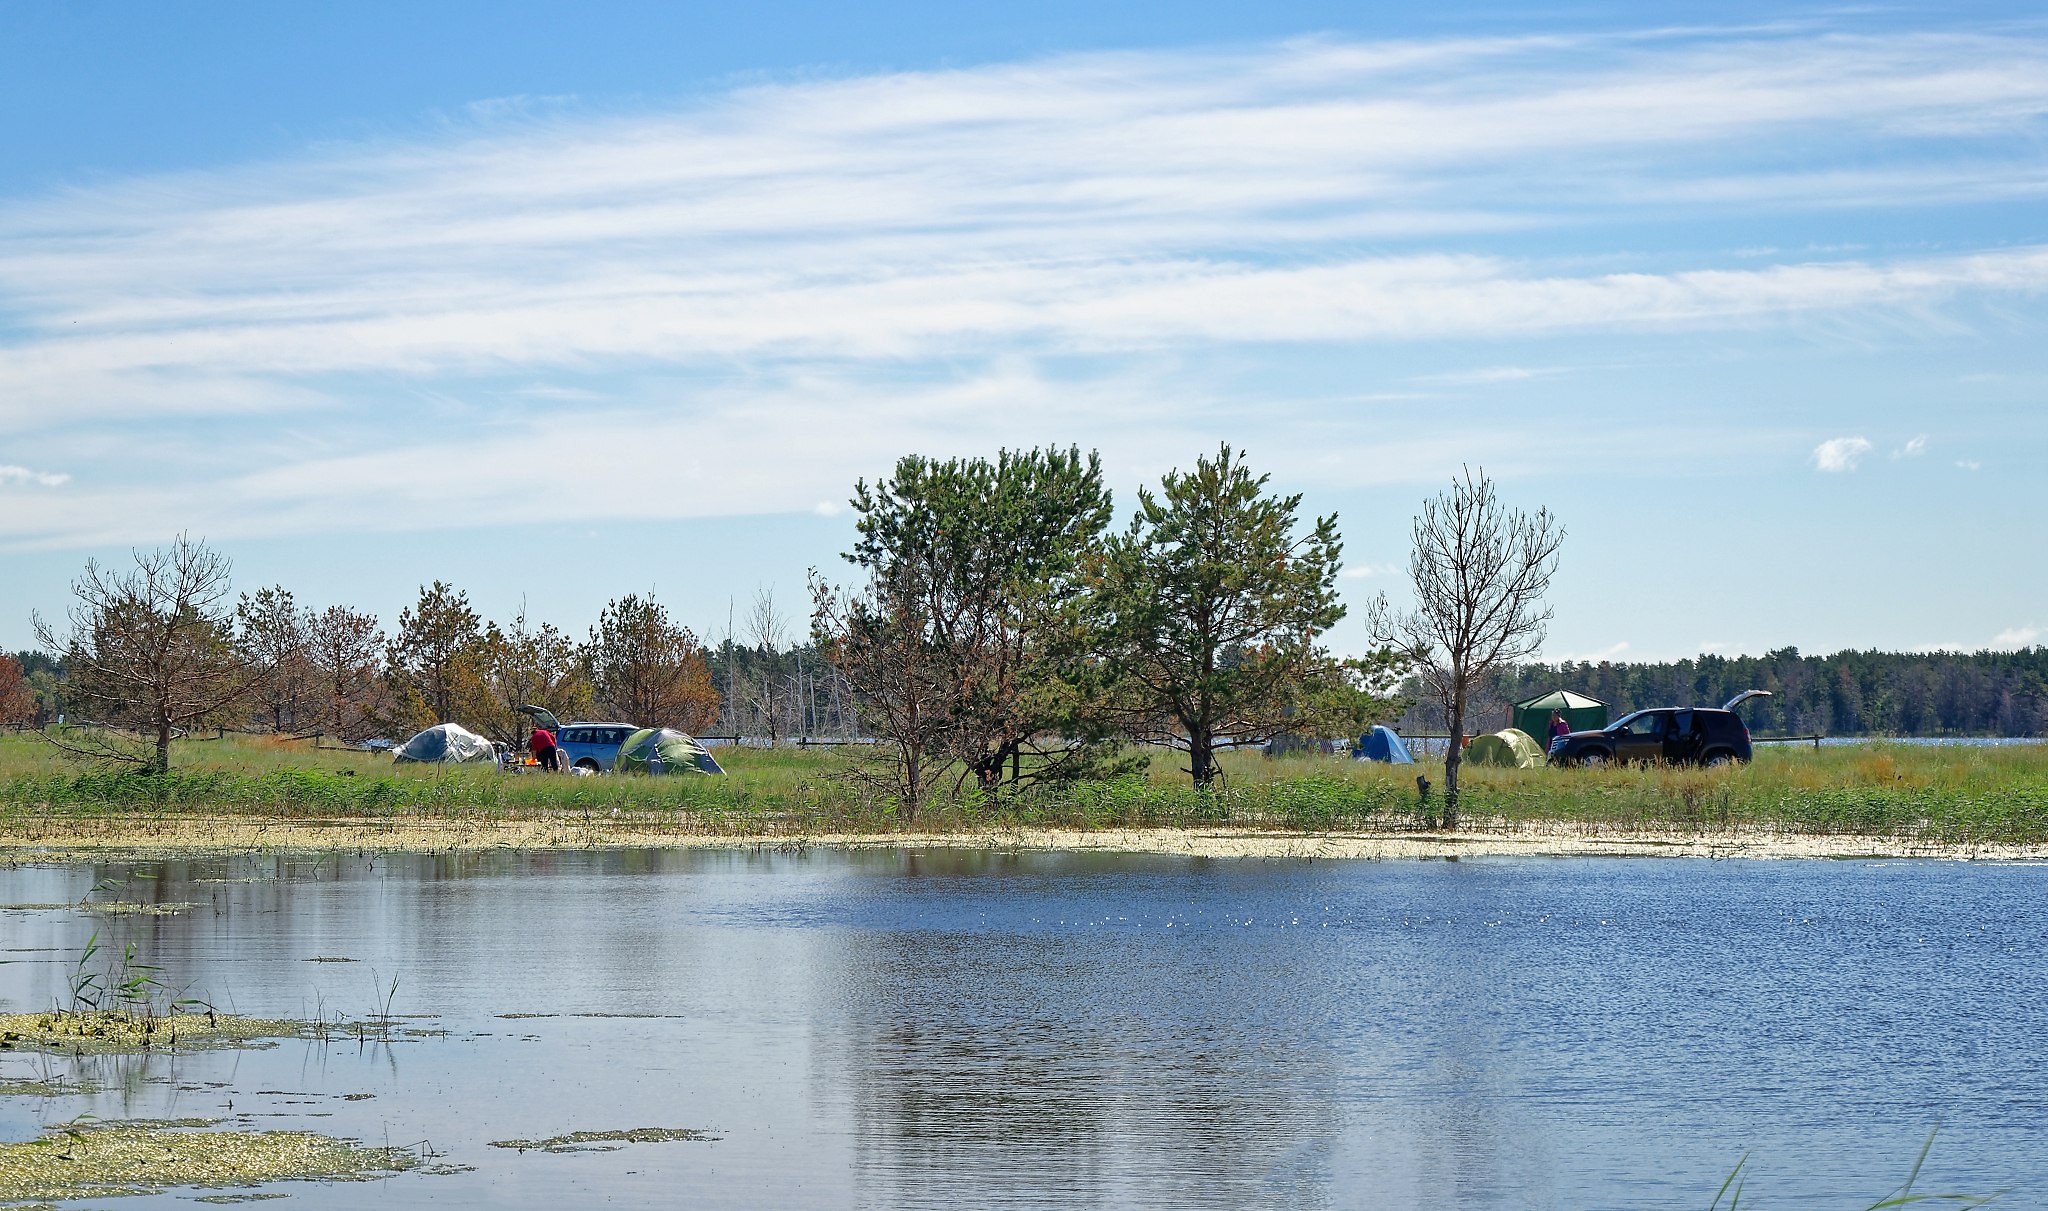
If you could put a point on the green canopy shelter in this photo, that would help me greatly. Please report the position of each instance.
(663, 750)
(1585, 714)
(1509, 746)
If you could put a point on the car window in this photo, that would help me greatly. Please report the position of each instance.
(574, 735)
(1646, 724)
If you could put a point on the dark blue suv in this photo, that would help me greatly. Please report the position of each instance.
(1667, 735)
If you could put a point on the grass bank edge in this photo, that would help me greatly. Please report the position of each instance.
(1897, 792)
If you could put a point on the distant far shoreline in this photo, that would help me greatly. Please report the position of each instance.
(53, 839)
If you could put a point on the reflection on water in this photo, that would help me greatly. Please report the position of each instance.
(933, 1029)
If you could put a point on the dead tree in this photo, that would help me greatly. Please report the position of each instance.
(152, 650)
(1480, 572)
(767, 627)
(879, 642)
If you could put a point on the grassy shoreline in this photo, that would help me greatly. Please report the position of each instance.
(1910, 798)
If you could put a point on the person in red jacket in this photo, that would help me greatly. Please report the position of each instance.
(545, 751)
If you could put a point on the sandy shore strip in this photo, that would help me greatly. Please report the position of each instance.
(59, 840)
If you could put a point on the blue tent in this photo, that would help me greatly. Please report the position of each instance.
(1381, 744)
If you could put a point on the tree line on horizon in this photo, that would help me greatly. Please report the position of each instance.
(1847, 693)
(788, 690)
(163, 648)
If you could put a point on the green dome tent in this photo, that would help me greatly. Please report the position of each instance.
(663, 750)
(1583, 713)
(1509, 746)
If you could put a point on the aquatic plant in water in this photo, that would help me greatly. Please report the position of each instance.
(1731, 1190)
(122, 1005)
(92, 1160)
(605, 1141)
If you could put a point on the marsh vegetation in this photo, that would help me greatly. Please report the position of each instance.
(97, 1160)
(1957, 794)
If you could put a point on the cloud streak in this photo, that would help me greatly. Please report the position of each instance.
(915, 233)
(10, 474)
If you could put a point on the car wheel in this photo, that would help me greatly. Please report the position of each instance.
(1719, 759)
(588, 764)
(1593, 760)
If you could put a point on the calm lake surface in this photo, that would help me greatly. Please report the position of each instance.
(937, 1029)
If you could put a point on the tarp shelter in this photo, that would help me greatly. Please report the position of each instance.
(445, 743)
(663, 750)
(1585, 714)
(1509, 746)
(1382, 744)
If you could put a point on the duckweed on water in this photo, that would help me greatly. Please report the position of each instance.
(605, 1141)
(105, 908)
(135, 1158)
(50, 1087)
(115, 1031)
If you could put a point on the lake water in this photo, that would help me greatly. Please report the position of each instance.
(943, 1028)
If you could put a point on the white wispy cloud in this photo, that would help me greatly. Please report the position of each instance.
(1483, 375)
(2018, 637)
(378, 318)
(1913, 448)
(1361, 571)
(10, 474)
(1839, 454)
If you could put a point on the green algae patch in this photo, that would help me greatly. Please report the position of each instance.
(605, 1141)
(141, 1158)
(107, 908)
(100, 1031)
(52, 1087)
(128, 907)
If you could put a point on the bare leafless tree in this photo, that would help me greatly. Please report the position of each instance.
(1480, 571)
(149, 650)
(878, 641)
(769, 630)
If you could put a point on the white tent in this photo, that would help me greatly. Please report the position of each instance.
(445, 743)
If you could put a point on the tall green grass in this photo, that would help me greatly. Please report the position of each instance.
(1891, 791)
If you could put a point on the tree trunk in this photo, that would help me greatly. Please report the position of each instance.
(1454, 756)
(913, 773)
(988, 772)
(1201, 756)
(163, 745)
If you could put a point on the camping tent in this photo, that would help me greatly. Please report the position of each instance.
(1381, 744)
(445, 743)
(663, 750)
(1509, 746)
(1584, 714)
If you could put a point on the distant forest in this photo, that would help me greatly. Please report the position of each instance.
(1846, 694)
(792, 692)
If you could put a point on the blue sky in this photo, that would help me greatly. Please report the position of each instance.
(563, 302)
